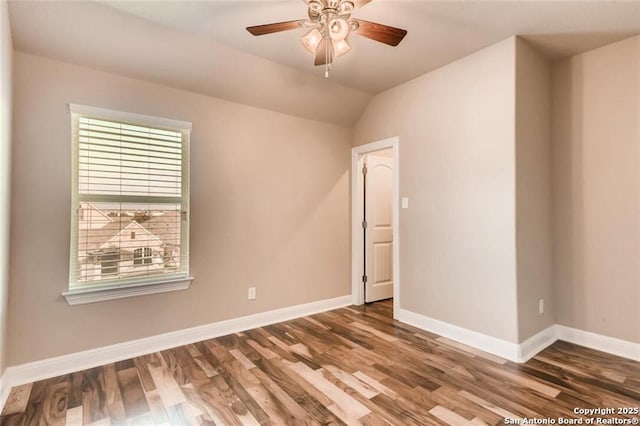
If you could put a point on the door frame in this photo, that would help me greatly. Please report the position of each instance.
(357, 249)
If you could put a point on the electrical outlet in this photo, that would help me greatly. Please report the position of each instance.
(252, 293)
(541, 306)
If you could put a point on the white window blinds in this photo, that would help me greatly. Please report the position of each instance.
(122, 159)
(130, 198)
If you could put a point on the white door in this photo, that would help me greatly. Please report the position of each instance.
(378, 230)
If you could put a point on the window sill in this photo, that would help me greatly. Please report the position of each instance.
(82, 296)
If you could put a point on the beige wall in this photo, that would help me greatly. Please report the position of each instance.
(596, 181)
(269, 208)
(270, 199)
(533, 190)
(184, 59)
(457, 167)
(6, 56)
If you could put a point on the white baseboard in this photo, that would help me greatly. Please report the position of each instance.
(52, 367)
(612, 345)
(537, 343)
(529, 348)
(493, 345)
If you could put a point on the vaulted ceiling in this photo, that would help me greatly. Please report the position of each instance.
(204, 47)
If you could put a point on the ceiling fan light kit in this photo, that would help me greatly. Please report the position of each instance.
(331, 24)
(311, 40)
(341, 47)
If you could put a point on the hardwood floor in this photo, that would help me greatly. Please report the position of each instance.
(349, 366)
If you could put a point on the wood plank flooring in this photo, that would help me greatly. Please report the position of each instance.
(349, 366)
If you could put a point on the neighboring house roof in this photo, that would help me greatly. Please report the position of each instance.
(166, 227)
(89, 206)
(124, 233)
(162, 229)
(93, 239)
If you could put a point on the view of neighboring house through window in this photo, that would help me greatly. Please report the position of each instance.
(130, 198)
(142, 256)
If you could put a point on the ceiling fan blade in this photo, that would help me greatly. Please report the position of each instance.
(321, 52)
(258, 30)
(379, 32)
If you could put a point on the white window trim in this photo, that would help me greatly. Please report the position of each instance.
(100, 294)
(141, 286)
(141, 119)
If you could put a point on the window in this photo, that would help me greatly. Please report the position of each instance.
(109, 263)
(130, 198)
(142, 256)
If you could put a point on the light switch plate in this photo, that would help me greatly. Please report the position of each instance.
(405, 203)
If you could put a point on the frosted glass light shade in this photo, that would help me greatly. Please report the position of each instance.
(311, 40)
(338, 29)
(346, 7)
(340, 47)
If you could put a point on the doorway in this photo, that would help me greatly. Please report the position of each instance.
(375, 222)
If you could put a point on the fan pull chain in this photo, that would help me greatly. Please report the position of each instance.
(326, 57)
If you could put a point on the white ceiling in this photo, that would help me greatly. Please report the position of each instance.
(203, 46)
(439, 32)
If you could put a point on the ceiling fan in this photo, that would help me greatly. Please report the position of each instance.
(331, 23)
